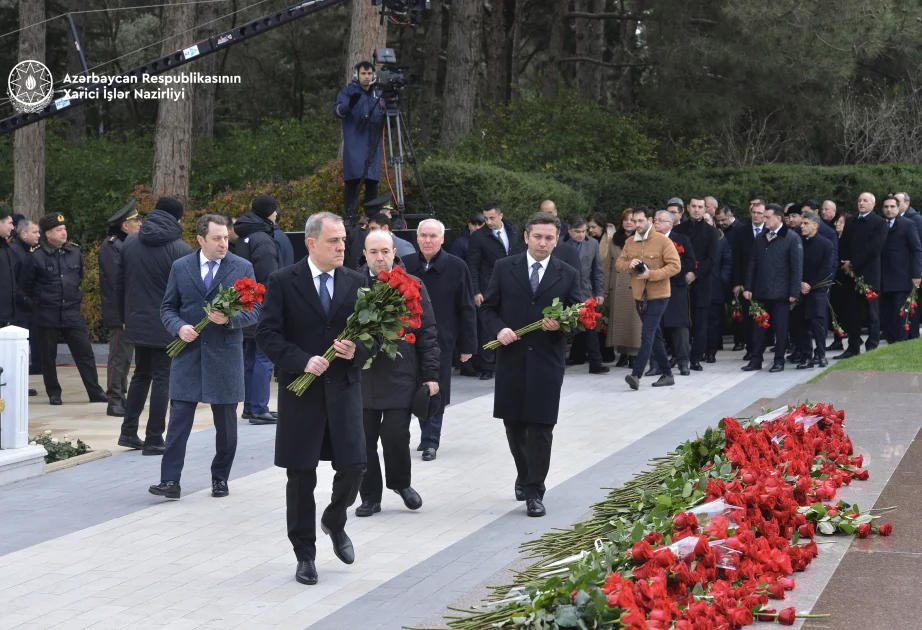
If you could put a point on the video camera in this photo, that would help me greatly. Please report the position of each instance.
(402, 12)
(391, 78)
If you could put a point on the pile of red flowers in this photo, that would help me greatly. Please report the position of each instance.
(242, 296)
(588, 317)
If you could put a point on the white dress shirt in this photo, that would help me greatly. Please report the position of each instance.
(503, 237)
(531, 261)
(203, 266)
(315, 274)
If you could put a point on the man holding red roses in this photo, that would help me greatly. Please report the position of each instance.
(529, 374)
(306, 308)
(388, 387)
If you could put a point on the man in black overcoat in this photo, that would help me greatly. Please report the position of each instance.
(808, 319)
(901, 271)
(907, 211)
(530, 370)
(742, 252)
(306, 306)
(497, 239)
(448, 281)
(862, 242)
(676, 320)
(704, 241)
(774, 281)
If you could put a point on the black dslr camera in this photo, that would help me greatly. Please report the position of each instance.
(640, 267)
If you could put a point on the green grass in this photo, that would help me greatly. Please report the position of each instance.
(900, 357)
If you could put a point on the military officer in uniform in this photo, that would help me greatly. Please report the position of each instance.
(51, 279)
(124, 222)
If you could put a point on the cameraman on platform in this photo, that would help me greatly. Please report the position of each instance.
(361, 110)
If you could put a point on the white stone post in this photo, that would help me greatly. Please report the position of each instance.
(14, 359)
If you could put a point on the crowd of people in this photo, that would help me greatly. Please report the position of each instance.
(669, 281)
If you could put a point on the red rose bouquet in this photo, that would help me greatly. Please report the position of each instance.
(758, 313)
(836, 326)
(865, 289)
(908, 310)
(736, 309)
(387, 310)
(240, 297)
(579, 316)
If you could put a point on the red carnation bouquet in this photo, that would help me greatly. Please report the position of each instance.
(758, 313)
(908, 310)
(240, 297)
(736, 308)
(865, 289)
(387, 310)
(579, 316)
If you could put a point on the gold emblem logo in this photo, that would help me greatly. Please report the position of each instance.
(61, 218)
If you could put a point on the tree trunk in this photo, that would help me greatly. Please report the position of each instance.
(173, 135)
(461, 76)
(586, 73)
(365, 34)
(596, 50)
(551, 82)
(29, 143)
(496, 50)
(203, 95)
(515, 43)
(430, 78)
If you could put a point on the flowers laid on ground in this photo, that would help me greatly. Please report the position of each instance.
(386, 311)
(865, 289)
(58, 450)
(758, 313)
(578, 316)
(704, 540)
(908, 309)
(244, 293)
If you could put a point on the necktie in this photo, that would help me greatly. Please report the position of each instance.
(533, 279)
(324, 293)
(771, 236)
(499, 235)
(756, 231)
(209, 277)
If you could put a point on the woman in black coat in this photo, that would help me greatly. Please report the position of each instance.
(721, 290)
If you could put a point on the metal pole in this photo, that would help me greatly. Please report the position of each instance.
(76, 38)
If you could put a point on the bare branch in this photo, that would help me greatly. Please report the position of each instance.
(605, 64)
(631, 17)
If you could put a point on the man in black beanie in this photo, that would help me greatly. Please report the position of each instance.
(50, 278)
(256, 243)
(170, 205)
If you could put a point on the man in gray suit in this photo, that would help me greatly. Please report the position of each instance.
(210, 368)
(592, 284)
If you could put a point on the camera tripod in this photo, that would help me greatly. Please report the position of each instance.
(396, 133)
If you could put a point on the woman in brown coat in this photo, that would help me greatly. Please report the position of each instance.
(624, 324)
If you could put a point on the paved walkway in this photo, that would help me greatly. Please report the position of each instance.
(88, 547)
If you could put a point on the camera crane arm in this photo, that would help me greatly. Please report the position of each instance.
(176, 59)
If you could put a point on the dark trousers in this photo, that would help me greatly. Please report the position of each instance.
(586, 342)
(301, 511)
(182, 413)
(530, 445)
(257, 375)
(699, 331)
(812, 341)
(35, 351)
(651, 337)
(152, 367)
(779, 315)
(352, 190)
(485, 360)
(891, 320)
(678, 340)
(119, 365)
(855, 305)
(747, 325)
(716, 327)
(393, 426)
(78, 341)
(431, 431)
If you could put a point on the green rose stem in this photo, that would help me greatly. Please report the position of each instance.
(176, 347)
(300, 384)
(493, 345)
(797, 615)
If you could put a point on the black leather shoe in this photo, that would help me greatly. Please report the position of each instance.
(696, 366)
(410, 497)
(534, 507)
(632, 381)
(33, 392)
(805, 364)
(168, 489)
(599, 369)
(246, 415)
(653, 371)
(486, 376)
(420, 447)
(99, 397)
(672, 362)
(622, 361)
(131, 441)
(747, 356)
(711, 358)
(778, 367)
(428, 454)
(367, 509)
(263, 418)
(116, 410)
(470, 372)
(219, 488)
(835, 345)
(153, 449)
(821, 362)
(797, 357)
(684, 371)
(571, 362)
(630, 362)
(519, 493)
(737, 347)
(55, 400)
(306, 573)
(664, 381)
(342, 545)
(848, 354)
(752, 367)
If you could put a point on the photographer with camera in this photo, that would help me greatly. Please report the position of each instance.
(359, 107)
